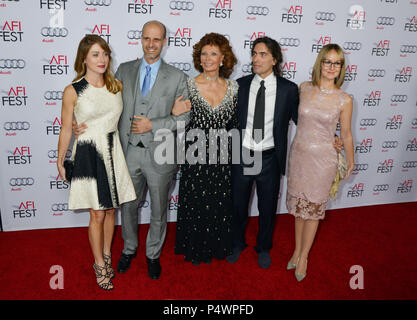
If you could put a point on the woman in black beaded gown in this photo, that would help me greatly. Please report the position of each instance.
(205, 206)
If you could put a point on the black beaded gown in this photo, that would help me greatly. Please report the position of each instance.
(205, 204)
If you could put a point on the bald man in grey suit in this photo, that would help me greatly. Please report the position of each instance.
(151, 87)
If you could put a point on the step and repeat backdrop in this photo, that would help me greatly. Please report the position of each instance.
(39, 39)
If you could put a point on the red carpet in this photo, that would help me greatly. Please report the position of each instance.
(381, 239)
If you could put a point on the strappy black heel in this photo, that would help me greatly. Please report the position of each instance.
(101, 272)
(107, 261)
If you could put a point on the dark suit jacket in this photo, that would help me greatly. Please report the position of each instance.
(286, 108)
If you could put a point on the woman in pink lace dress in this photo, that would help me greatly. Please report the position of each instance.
(313, 159)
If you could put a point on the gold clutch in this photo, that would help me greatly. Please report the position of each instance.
(341, 172)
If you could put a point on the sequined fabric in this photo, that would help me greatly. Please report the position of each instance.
(204, 205)
(312, 160)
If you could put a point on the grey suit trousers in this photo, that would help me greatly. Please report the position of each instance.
(143, 174)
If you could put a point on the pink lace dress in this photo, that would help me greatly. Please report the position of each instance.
(313, 160)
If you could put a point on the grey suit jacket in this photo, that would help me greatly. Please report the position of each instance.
(170, 83)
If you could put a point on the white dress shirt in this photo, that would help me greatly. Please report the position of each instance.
(270, 96)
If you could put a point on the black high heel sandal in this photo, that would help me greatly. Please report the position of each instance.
(108, 286)
(107, 261)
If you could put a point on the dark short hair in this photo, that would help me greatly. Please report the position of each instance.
(216, 39)
(275, 49)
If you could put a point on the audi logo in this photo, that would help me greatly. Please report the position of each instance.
(53, 95)
(376, 73)
(381, 187)
(100, 3)
(289, 42)
(389, 144)
(361, 167)
(257, 10)
(16, 125)
(181, 5)
(12, 63)
(325, 16)
(134, 34)
(409, 164)
(19, 182)
(408, 49)
(59, 207)
(54, 32)
(183, 66)
(352, 45)
(368, 122)
(399, 98)
(385, 21)
(414, 122)
(53, 154)
(247, 68)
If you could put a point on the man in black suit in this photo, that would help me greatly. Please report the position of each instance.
(266, 104)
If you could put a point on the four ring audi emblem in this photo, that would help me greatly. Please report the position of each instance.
(12, 63)
(183, 66)
(247, 68)
(54, 154)
(53, 95)
(325, 16)
(54, 32)
(59, 207)
(389, 144)
(181, 5)
(134, 34)
(399, 98)
(289, 42)
(376, 73)
(385, 21)
(352, 45)
(414, 122)
(16, 126)
(381, 187)
(368, 122)
(361, 167)
(409, 164)
(100, 3)
(19, 182)
(408, 48)
(257, 10)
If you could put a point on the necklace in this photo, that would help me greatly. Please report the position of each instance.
(210, 78)
(326, 90)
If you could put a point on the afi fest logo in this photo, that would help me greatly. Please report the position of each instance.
(412, 145)
(292, 15)
(357, 18)
(365, 146)
(140, 7)
(356, 191)
(11, 31)
(318, 44)
(289, 70)
(57, 65)
(181, 38)
(373, 99)
(54, 127)
(173, 203)
(16, 97)
(351, 72)
(381, 49)
(405, 186)
(26, 209)
(386, 166)
(220, 9)
(20, 155)
(53, 4)
(394, 123)
(56, 183)
(403, 75)
(411, 25)
(102, 30)
(252, 37)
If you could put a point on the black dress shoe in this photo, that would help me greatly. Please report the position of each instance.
(124, 263)
(154, 268)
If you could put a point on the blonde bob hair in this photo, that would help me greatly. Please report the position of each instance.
(316, 75)
(79, 66)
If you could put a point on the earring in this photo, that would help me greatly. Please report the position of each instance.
(221, 64)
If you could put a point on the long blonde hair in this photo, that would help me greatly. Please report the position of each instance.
(315, 77)
(79, 66)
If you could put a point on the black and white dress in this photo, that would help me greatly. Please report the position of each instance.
(100, 179)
